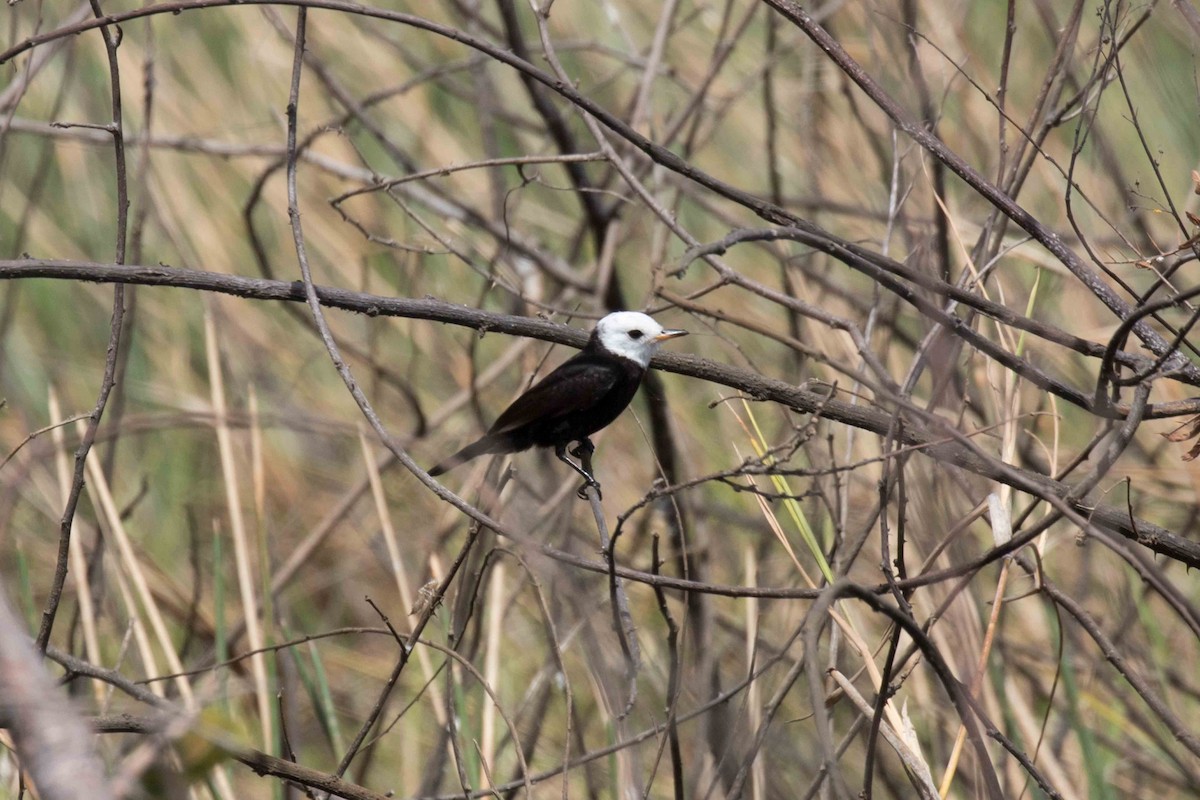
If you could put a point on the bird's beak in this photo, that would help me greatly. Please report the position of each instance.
(669, 334)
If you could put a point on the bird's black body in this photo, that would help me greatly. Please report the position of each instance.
(580, 397)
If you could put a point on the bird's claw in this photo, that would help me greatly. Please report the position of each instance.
(590, 483)
(583, 451)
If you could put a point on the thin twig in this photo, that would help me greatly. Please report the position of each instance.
(108, 381)
(622, 615)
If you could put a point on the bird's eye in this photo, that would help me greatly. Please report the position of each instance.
(636, 334)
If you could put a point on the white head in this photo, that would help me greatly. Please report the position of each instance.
(633, 335)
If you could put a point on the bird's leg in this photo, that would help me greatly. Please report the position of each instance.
(583, 450)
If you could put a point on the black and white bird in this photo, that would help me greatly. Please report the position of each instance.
(580, 397)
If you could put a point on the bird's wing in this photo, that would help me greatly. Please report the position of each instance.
(576, 385)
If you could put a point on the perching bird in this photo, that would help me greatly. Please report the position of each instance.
(583, 395)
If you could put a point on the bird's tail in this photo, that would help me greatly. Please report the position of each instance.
(485, 445)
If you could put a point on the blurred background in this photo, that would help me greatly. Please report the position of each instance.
(243, 530)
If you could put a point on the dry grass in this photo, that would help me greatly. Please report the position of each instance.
(247, 551)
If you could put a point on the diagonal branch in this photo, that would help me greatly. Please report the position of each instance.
(948, 447)
(795, 14)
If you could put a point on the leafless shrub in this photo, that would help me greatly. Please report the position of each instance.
(909, 514)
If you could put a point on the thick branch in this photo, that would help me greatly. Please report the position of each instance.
(945, 446)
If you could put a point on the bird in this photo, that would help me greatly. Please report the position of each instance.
(583, 395)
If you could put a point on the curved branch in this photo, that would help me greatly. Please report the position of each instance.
(666, 158)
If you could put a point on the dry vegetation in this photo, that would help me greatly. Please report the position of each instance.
(910, 443)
